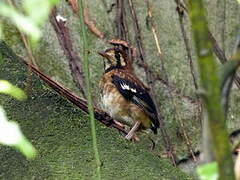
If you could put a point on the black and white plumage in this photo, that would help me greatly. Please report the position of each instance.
(139, 96)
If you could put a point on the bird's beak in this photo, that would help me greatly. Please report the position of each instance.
(103, 54)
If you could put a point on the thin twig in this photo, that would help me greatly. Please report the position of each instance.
(86, 69)
(154, 31)
(31, 58)
(168, 86)
(92, 25)
(25, 39)
(222, 58)
(74, 5)
(122, 32)
(181, 12)
(138, 37)
(224, 14)
(137, 31)
(181, 9)
(120, 20)
(66, 43)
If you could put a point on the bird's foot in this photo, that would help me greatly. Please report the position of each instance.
(134, 138)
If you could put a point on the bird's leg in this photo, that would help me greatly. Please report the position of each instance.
(132, 131)
(134, 137)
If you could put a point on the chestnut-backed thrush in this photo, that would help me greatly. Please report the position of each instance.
(124, 96)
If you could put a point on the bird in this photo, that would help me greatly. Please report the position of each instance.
(124, 96)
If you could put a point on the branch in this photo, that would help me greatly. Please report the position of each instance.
(99, 114)
(74, 5)
(137, 30)
(92, 25)
(121, 20)
(210, 83)
(66, 43)
(181, 9)
(222, 58)
(168, 86)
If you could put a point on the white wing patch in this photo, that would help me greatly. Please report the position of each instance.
(127, 87)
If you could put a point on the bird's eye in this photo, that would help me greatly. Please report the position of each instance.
(117, 56)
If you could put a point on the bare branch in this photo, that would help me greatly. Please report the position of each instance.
(100, 115)
(92, 25)
(181, 9)
(121, 20)
(74, 5)
(67, 46)
(222, 58)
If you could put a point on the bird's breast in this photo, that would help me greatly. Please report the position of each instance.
(110, 102)
(115, 104)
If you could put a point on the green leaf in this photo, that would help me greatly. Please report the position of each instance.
(24, 24)
(8, 88)
(208, 171)
(11, 135)
(238, 1)
(38, 10)
(1, 56)
(1, 32)
(26, 148)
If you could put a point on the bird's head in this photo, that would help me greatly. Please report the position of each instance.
(114, 58)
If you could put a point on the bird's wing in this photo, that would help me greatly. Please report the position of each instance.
(138, 95)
